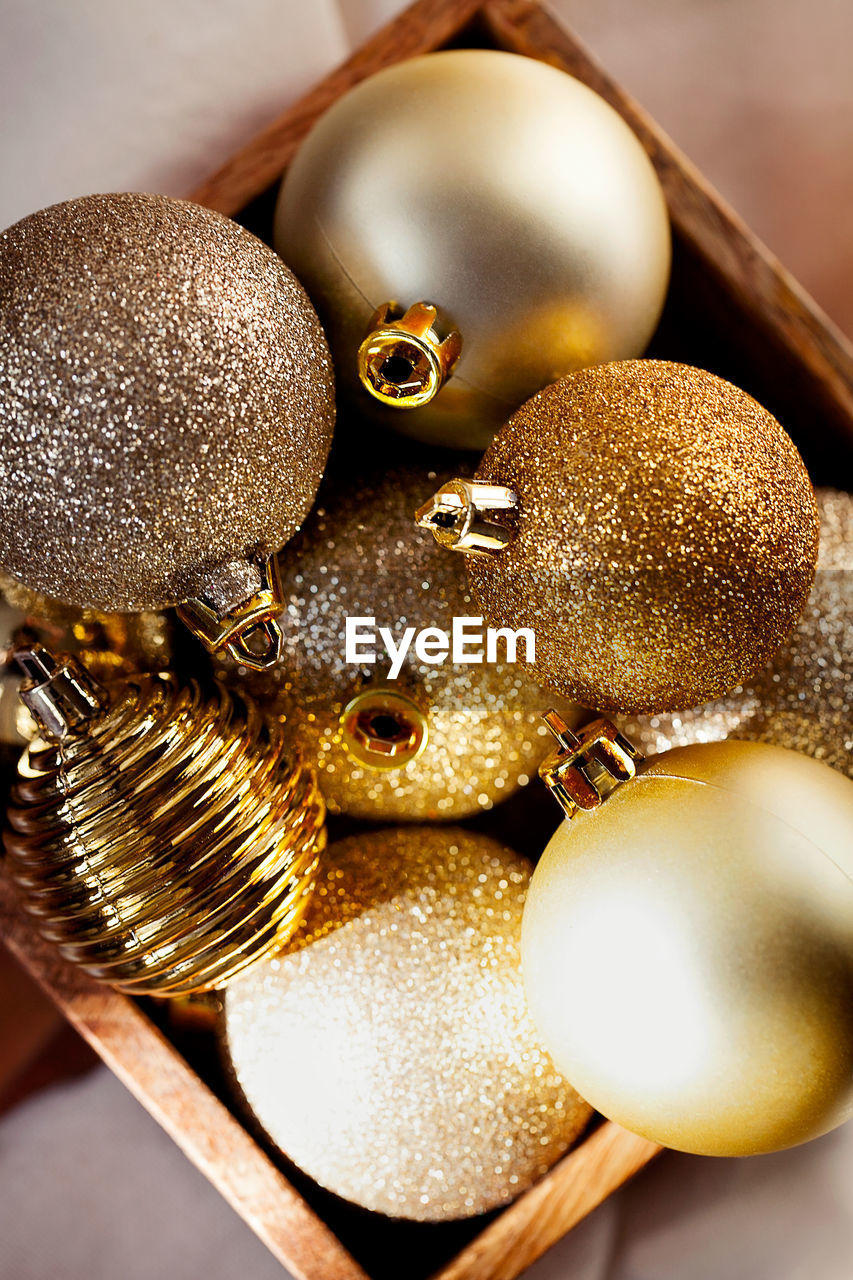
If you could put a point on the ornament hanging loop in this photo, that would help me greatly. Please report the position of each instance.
(587, 767)
(237, 611)
(404, 361)
(460, 516)
(383, 729)
(59, 693)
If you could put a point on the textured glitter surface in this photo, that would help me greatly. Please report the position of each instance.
(166, 400)
(360, 555)
(389, 1052)
(666, 541)
(804, 698)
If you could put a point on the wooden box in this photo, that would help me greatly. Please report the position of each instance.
(731, 309)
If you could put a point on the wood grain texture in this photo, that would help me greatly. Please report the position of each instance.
(424, 26)
(755, 279)
(576, 1186)
(198, 1122)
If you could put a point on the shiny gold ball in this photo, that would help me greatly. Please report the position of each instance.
(665, 541)
(500, 190)
(166, 401)
(162, 837)
(475, 730)
(804, 698)
(708, 906)
(388, 1050)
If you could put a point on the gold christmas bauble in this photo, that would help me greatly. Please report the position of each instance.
(471, 225)
(439, 740)
(652, 524)
(804, 698)
(166, 392)
(707, 906)
(163, 838)
(388, 1050)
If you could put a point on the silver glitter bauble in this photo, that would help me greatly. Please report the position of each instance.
(502, 192)
(804, 698)
(166, 405)
(442, 740)
(388, 1050)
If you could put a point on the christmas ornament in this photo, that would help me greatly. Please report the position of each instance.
(166, 410)
(442, 739)
(708, 905)
(651, 523)
(462, 257)
(107, 644)
(803, 699)
(164, 839)
(397, 1019)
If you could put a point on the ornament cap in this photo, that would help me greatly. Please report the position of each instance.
(58, 692)
(460, 516)
(404, 360)
(587, 767)
(236, 610)
(383, 729)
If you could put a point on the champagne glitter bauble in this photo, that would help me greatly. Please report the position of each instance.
(442, 740)
(163, 839)
(472, 225)
(650, 522)
(708, 904)
(388, 1051)
(166, 409)
(804, 698)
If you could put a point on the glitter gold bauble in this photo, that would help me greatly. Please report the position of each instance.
(166, 409)
(388, 1051)
(708, 905)
(804, 698)
(652, 524)
(164, 839)
(463, 256)
(442, 740)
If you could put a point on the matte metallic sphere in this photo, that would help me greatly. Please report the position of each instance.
(166, 401)
(688, 950)
(499, 189)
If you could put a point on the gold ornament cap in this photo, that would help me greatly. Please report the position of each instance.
(237, 611)
(163, 838)
(461, 516)
(588, 766)
(384, 729)
(404, 361)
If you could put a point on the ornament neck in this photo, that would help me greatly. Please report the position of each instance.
(383, 729)
(460, 516)
(406, 358)
(59, 692)
(587, 767)
(236, 609)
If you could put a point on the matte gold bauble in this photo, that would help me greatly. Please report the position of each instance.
(166, 409)
(688, 949)
(441, 740)
(652, 524)
(804, 698)
(388, 1050)
(472, 225)
(164, 839)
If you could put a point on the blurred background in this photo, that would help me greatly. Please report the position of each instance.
(153, 95)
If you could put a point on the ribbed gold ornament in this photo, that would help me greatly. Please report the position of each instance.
(165, 839)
